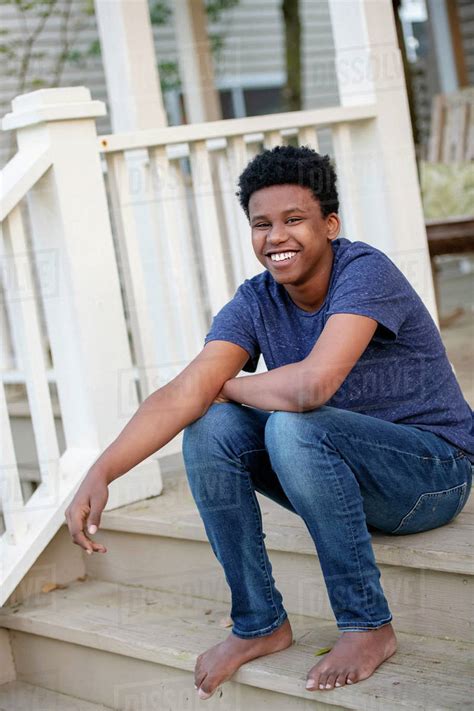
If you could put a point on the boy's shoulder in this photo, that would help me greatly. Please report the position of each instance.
(345, 251)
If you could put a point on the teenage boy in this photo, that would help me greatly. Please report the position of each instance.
(359, 422)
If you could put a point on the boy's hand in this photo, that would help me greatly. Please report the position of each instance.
(83, 513)
(221, 398)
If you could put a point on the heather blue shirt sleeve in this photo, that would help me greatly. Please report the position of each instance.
(371, 285)
(234, 323)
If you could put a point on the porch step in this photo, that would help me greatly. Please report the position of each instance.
(145, 643)
(428, 577)
(19, 696)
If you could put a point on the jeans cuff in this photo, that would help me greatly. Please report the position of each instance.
(263, 632)
(364, 626)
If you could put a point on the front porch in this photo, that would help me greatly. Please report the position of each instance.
(116, 251)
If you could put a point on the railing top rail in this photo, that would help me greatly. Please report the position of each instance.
(19, 175)
(235, 127)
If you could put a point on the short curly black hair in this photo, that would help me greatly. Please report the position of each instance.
(288, 164)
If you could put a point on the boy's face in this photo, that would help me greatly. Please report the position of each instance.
(287, 218)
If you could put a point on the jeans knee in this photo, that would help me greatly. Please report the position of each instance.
(280, 435)
(288, 436)
(209, 431)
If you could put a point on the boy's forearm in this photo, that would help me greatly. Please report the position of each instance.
(156, 422)
(288, 388)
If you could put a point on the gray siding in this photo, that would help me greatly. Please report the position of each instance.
(253, 52)
(466, 22)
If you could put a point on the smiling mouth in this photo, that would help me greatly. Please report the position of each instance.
(282, 262)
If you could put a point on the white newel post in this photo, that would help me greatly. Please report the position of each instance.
(379, 155)
(84, 312)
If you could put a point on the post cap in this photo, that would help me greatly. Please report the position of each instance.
(59, 104)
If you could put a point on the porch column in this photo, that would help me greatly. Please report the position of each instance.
(128, 54)
(381, 153)
(201, 98)
(443, 45)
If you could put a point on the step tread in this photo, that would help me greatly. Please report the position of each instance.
(172, 629)
(174, 514)
(19, 696)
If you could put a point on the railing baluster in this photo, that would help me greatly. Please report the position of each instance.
(29, 344)
(149, 346)
(218, 287)
(238, 155)
(179, 264)
(11, 498)
(272, 139)
(350, 204)
(308, 136)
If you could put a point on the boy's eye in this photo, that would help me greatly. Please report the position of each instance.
(266, 224)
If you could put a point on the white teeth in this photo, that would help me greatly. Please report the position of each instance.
(280, 257)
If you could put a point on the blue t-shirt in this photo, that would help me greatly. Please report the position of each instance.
(403, 376)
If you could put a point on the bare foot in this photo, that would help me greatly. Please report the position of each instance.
(355, 656)
(218, 663)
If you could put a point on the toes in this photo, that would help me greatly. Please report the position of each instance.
(322, 680)
(330, 680)
(351, 677)
(207, 688)
(312, 680)
(341, 679)
(203, 695)
(199, 678)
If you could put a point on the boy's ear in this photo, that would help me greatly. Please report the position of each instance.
(333, 222)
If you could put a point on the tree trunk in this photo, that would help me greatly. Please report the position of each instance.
(292, 91)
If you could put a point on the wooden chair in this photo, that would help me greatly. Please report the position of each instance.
(451, 142)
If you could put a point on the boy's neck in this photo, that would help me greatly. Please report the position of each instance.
(311, 296)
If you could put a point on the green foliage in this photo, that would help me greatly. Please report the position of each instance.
(38, 84)
(24, 6)
(21, 56)
(215, 8)
(169, 76)
(160, 12)
(217, 43)
(35, 14)
(74, 56)
(447, 189)
(89, 7)
(94, 49)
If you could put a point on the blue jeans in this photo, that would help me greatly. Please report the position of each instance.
(342, 472)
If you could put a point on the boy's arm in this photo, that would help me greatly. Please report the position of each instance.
(159, 418)
(311, 382)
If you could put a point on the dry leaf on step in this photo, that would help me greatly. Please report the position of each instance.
(49, 587)
(225, 622)
(323, 650)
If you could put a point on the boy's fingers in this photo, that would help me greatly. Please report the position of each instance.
(80, 539)
(75, 521)
(93, 520)
(98, 547)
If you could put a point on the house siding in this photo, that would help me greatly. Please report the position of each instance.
(253, 51)
(466, 26)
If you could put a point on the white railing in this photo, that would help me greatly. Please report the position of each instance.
(64, 322)
(138, 240)
(172, 193)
